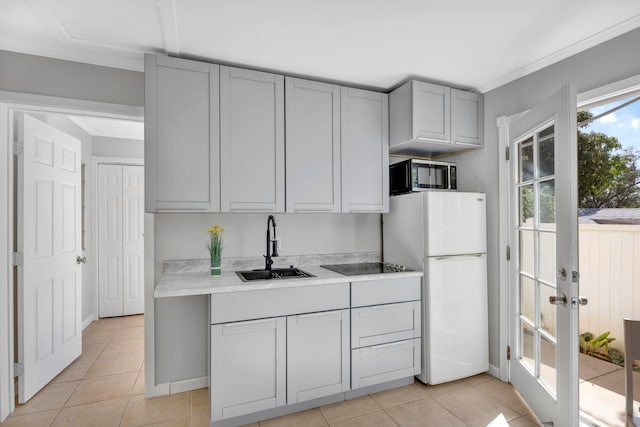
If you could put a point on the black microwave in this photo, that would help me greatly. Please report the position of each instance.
(421, 175)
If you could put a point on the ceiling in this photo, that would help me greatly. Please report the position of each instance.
(372, 43)
(112, 128)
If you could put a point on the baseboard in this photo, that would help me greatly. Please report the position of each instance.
(86, 322)
(174, 387)
(157, 390)
(494, 371)
(188, 385)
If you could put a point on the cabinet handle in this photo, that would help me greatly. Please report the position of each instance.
(248, 323)
(386, 306)
(391, 344)
(319, 314)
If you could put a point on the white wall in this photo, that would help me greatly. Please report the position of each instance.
(608, 62)
(181, 323)
(118, 147)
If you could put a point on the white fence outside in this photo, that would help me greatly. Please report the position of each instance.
(609, 277)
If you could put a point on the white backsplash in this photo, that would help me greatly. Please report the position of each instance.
(249, 263)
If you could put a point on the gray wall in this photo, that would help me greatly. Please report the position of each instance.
(55, 77)
(118, 147)
(608, 62)
(181, 323)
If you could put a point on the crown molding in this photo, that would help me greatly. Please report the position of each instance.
(132, 60)
(557, 56)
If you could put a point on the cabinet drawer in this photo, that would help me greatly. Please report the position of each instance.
(385, 291)
(380, 324)
(257, 304)
(386, 362)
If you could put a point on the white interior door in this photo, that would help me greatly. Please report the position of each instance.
(133, 239)
(110, 288)
(49, 237)
(121, 240)
(544, 345)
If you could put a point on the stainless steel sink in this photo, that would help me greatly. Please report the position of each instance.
(276, 273)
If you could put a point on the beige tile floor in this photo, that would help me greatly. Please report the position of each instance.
(105, 387)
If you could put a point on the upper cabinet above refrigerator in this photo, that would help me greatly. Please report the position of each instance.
(426, 119)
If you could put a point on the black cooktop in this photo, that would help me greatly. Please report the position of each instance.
(365, 268)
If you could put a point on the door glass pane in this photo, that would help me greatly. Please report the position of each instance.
(546, 152)
(548, 363)
(547, 205)
(526, 160)
(527, 298)
(526, 205)
(547, 311)
(536, 275)
(547, 257)
(526, 346)
(527, 252)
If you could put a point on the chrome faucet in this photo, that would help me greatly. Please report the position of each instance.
(271, 244)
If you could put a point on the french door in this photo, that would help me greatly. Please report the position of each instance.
(544, 278)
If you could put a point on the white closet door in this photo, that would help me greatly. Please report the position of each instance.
(110, 240)
(132, 238)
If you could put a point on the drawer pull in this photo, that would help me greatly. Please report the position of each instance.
(391, 344)
(320, 314)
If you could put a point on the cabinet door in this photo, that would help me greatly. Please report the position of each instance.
(313, 146)
(252, 141)
(431, 112)
(317, 355)
(247, 367)
(181, 135)
(466, 118)
(365, 150)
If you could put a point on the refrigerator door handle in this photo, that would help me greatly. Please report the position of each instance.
(439, 258)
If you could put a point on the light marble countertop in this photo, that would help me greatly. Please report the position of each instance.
(201, 283)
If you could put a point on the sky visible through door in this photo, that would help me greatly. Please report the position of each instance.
(624, 124)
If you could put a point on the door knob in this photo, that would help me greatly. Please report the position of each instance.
(81, 259)
(558, 300)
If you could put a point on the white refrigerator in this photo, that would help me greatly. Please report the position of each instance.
(443, 233)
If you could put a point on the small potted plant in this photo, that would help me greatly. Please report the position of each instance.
(215, 248)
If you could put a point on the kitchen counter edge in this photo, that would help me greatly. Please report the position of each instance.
(188, 284)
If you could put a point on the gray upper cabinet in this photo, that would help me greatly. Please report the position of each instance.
(181, 135)
(313, 146)
(428, 119)
(252, 141)
(365, 150)
(467, 116)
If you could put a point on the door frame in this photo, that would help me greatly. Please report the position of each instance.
(9, 103)
(96, 161)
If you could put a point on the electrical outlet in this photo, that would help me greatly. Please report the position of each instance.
(279, 244)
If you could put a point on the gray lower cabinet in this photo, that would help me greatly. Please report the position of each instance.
(298, 348)
(310, 342)
(247, 367)
(317, 355)
(385, 330)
